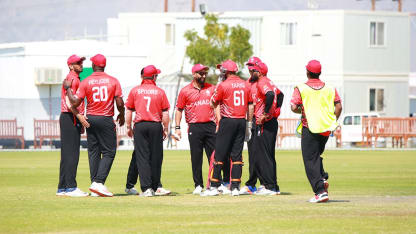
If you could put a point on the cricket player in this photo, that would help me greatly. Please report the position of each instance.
(71, 123)
(232, 96)
(101, 90)
(267, 100)
(195, 100)
(150, 128)
(133, 175)
(250, 185)
(320, 106)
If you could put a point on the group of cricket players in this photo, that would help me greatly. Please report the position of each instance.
(220, 118)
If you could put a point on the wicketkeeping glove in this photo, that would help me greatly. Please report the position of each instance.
(249, 125)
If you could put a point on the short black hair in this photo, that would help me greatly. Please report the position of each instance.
(313, 75)
(141, 72)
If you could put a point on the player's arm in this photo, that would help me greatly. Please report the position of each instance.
(338, 109)
(75, 101)
(81, 118)
(269, 101)
(296, 102)
(178, 118)
(129, 114)
(165, 123)
(215, 97)
(120, 108)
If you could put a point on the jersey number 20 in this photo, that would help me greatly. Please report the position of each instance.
(99, 93)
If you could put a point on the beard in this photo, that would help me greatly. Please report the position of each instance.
(200, 81)
(254, 78)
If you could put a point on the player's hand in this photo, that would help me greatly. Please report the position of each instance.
(67, 84)
(83, 120)
(120, 119)
(262, 119)
(129, 132)
(217, 127)
(177, 135)
(165, 134)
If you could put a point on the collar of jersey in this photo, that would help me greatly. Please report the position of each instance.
(147, 81)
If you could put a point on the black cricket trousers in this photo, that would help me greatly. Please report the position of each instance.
(70, 142)
(229, 143)
(148, 149)
(133, 173)
(252, 167)
(102, 145)
(264, 151)
(313, 145)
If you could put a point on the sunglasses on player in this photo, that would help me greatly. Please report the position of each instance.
(202, 73)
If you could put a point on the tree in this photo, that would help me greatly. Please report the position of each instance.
(218, 44)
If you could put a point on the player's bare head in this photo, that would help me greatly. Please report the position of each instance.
(150, 72)
(199, 73)
(313, 69)
(99, 62)
(75, 63)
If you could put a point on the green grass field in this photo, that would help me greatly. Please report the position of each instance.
(370, 191)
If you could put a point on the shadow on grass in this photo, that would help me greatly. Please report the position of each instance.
(285, 193)
(172, 194)
(338, 201)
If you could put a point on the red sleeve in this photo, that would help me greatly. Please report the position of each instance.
(218, 94)
(165, 102)
(130, 100)
(337, 98)
(296, 98)
(277, 91)
(118, 89)
(181, 100)
(264, 87)
(81, 90)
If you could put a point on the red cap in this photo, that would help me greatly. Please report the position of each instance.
(99, 60)
(198, 67)
(74, 59)
(253, 60)
(261, 67)
(150, 70)
(314, 66)
(228, 65)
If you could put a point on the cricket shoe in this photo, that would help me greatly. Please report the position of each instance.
(148, 193)
(197, 190)
(100, 189)
(213, 191)
(265, 192)
(318, 198)
(131, 191)
(60, 192)
(162, 192)
(326, 185)
(75, 192)
(224, 190)
(259, 188)
(235, 192)
(245, 191)
(94, 195)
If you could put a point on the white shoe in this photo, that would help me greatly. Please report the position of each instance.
(162, 192)
(100, 189)
(76, 193)
(131, 191)
(260, 188)
(148, 193)
(94, 194)
(235, 192)
(224, 190)
(265, 192)
(213, 191)
(60, 192)
(198, 190)
(245, 191)
(322, 197)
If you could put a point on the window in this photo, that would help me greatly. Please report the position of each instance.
(376, 99)
(348, 120)
(376, 34)
(357, 120)
(170, 34)
(288, 33)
